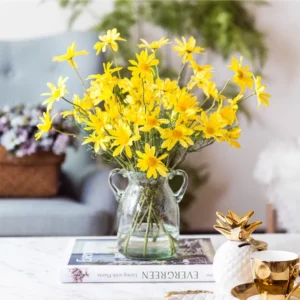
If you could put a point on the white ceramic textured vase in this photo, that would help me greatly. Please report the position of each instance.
(232, 265)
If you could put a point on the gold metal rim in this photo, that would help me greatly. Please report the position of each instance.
(169, 294)
(247, 290)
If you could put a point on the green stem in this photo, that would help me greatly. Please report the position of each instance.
(143, 84)
(224, 87)
(129, 162)
(157, 233)
(81, 79)
(126, 244)
(170, 237)
(207, 98)
(139, 217)
(181, 159)
(147, 231)
(156, 67)
(157, 71)
(119, 161)
(80, 108)
(116, 64)
(134, 223)
(180, 72)
(142, 218)
(243, 99)
(68, 133)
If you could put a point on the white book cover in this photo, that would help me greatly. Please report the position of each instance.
(98, 260)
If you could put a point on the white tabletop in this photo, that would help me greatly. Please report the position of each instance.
(29, 270)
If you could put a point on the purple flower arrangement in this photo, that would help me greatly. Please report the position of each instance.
(18, 125)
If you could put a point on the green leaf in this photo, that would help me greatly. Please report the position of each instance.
(64, 3)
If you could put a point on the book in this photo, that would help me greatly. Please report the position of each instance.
(98, 260)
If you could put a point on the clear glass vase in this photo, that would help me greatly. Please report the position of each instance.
(148, 215)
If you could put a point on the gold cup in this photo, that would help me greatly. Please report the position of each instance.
(274, 274)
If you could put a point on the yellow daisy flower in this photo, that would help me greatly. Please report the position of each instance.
(236, 99)
(198, 68)
(45, 126)
(262, 97)
(108, 40)
(187, 48)
(166, 86)
(164, 91)
(99, 91)
(113, 112)
(108, 68)
(71, 53)
(79, 108)
(149, 162)
(143, 65)
(242, 77)
(154, 45)
(212, 126)
(185, 105)
(201, 79)
(228, 113)
(152, 121)
(180, 134)
(231, 137)
(99, 139)
(74, 112)
(55, 92)
(124, 138)
(97, 121)
(210, 90)
(134, 115)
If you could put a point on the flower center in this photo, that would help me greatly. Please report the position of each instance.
(152, 122)
(210, 130)
(200, 69)
(56, 94)
(177, 134)
(182, 107)
(154, 46)
(144, 67)
(240, 74)
(124, 139)
(151, 161)
(99, 124)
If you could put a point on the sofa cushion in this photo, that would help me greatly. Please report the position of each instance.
(53, 217)
(25, 68)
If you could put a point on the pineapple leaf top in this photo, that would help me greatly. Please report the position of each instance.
(234, 227)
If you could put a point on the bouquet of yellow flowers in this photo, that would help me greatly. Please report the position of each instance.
(147, 124)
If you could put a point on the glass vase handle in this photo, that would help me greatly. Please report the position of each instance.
(117, 192)
(180, 193)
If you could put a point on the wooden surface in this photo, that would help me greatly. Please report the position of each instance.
(271, 219)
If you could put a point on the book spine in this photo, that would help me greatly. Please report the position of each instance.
(157, 273)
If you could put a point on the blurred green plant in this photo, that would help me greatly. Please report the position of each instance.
(223, 27)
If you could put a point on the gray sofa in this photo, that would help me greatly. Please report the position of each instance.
(86, 206)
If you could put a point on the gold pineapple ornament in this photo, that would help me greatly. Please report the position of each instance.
(236, 228)
(232, 260)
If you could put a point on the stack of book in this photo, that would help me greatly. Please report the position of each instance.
(98, 260)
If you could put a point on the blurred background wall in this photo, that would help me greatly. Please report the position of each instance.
(231, 185)
(22, 19)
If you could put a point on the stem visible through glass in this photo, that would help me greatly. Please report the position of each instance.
(145, 213)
